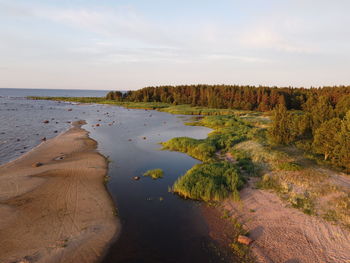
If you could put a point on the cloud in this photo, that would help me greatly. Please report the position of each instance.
(267, 38)
(122, 22)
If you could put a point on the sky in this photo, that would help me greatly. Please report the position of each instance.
(130, 44)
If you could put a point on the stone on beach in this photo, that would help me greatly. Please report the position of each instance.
(244, 240)
(37, 164)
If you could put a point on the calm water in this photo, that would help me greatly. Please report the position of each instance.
(157, 226)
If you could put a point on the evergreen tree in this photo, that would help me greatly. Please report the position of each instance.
(325, 139)
(343, 148)
(279, 132)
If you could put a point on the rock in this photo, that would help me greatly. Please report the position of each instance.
(130, 140)
(18, 140)
(136, 178)
(144, 138)
(46, 121)
(70, 109)
(244, 240)
(55, 131)
(37, 164)
(43, 139)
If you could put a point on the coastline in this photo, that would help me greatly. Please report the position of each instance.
(59, 211)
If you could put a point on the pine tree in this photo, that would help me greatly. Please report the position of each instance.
(343, 148)
(325, 138)
(279, 132)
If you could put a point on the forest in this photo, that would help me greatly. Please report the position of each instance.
(231, 96)
(316, 120)
(320, 128)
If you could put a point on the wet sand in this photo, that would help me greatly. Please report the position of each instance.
(61, 210)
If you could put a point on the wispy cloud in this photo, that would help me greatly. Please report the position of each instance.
(265, 38)
(281, 36)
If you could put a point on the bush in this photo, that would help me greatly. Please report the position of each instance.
(155, 173)
(210, 182)
(200, 149)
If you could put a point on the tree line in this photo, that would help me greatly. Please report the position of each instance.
(230, 96)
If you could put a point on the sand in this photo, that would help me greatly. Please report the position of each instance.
(284, 234)
(60, 211)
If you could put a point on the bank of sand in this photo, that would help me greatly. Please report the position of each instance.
(60, 211)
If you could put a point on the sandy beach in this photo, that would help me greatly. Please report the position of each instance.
(284, 234)
(59, 211)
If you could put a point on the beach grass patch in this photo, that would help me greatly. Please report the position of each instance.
(210, 182)
(154, 174)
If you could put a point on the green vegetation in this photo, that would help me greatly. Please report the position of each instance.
(289, 166)
(100, 100)
(323, 128)
(233, 96)
(155, 173)
(210, 182)
(213, 180)
(229, 130)
(75, 99)
(190, 110)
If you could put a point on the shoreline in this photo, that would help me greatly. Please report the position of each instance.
(59, 211)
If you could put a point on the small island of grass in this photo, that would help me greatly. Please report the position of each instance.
(155, 173)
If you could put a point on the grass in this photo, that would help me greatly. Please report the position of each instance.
(210, 182)
(228, 131)
(189, 110)
(203, 150)
(102, 100)
(339, 209)
(289, 166)
(161, 106)
(154, 174)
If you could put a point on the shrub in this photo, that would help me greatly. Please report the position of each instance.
(210, 182)
(155, 173)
